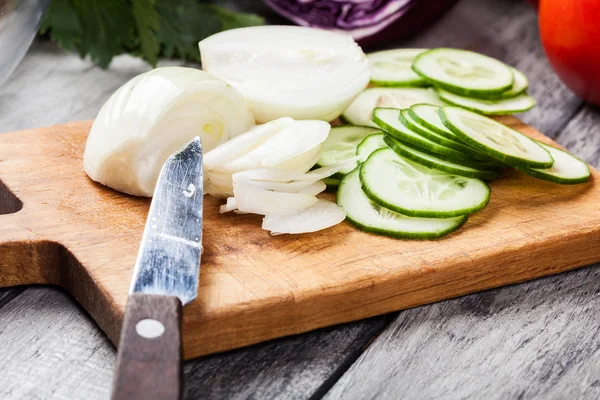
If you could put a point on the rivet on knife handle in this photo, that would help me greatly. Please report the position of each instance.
(150, 355)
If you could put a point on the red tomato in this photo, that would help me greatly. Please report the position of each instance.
(570, 31)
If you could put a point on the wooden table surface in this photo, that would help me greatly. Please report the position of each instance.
(536, 340)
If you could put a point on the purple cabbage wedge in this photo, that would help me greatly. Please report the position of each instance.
(370, 22)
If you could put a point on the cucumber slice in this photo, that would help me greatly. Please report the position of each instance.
(393, 68)
(414, 126)
(518, 104)
(427, 116)
(369, 145)
(417, 191)
(371, 217)
(566, 170)
(437, 163)
(520, 85)
(361, 110)
(495, 139)
(389, 120)
(341, 145)
(464, 72)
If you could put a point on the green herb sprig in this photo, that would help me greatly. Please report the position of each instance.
(103, 29)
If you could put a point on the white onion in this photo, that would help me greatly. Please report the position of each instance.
(154, 115)
(291, 71)
(281, 175)
(321, 215)
(231, 205)
(314, 188)
(301, 140)
(282, 144)
(255, 200)
(287, 181)
(243, 144)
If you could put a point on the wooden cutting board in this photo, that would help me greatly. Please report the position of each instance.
(58, 227)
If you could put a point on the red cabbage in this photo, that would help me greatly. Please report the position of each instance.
(370, 22)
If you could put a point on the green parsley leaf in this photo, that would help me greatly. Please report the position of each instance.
(147, 23)
(108, 29)
(62, 23)
(103, 29)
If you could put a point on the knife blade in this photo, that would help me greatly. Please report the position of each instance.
(165, 277)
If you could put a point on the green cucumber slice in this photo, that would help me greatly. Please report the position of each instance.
(369, 145)
(495, 139)
(341, 145)
(464, 72)
(455, 144)
(371, 217)
(411, 189)
(393, 68)
(521, 103)
(360, 111)
(389, 120)
(520, 85)
(434, 162)
(566, 170)
(427, 116)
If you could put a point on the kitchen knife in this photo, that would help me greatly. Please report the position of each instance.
(149, 362)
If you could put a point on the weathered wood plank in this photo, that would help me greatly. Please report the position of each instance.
(582, 135)
(538, 340)
(51, 349)
(297, 367)
(6, 295)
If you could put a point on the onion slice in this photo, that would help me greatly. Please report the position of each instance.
(289, 71)
(293, 141)
(321, 215)
(245, 143)
(283, 144)
(255, 200)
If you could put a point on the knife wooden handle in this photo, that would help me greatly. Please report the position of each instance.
(149, 362)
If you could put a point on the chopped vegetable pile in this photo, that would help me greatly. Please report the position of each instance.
(414, 161)
(427, 173)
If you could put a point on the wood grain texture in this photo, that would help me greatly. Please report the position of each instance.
(149, 366)
(582, 135)
(73, 360)
(297, 367)
(537, 340)
(254, 287)
(51, 349)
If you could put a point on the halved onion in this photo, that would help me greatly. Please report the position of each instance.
(154, 115)
(289, 71)
(321, 215)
